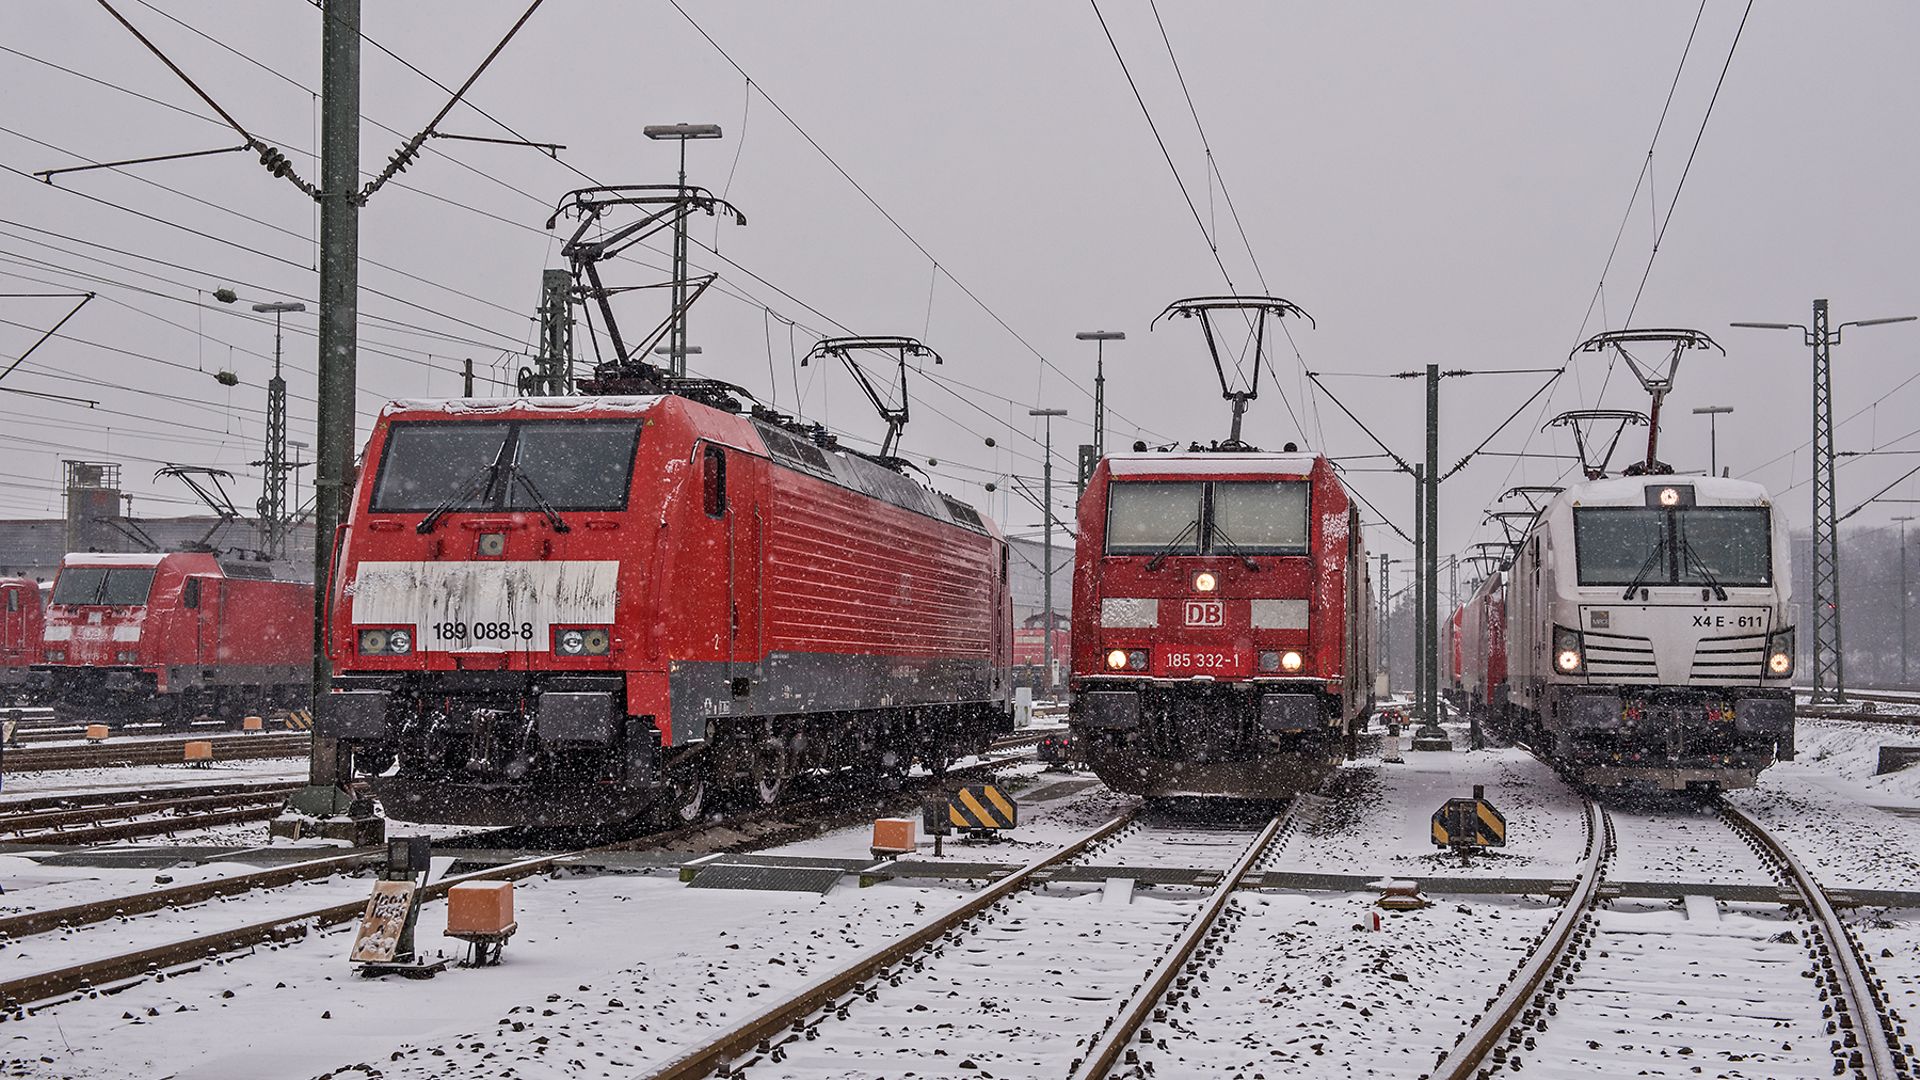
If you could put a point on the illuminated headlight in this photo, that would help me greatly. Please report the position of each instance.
(1290, 661)
(1137, 659)
(1780, 654)
(1669, 496)
(1204, 582)
(1117, 659)
(582, 641)
(386, 641)
(1568, 655)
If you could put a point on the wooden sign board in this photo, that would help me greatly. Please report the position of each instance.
(380, 927)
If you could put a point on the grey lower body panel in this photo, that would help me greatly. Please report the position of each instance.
(1668, 738)
(1255, 741)
(792, 683)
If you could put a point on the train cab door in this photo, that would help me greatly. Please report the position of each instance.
(731, 484)
(200, 597)
(13, 621)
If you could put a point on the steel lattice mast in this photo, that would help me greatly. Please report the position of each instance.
(1829, 674)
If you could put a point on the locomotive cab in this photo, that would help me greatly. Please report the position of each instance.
(1654, 620)
(20, 640)
(1220, 641)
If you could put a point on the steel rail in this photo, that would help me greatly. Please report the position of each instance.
(153, 752)
(1113, 1042)
(128, 799)
(94, 974)
(756, 1031)
(40, 922)
(32, 820)
(1469, 1055)
(160, 826)
(1870, 1023)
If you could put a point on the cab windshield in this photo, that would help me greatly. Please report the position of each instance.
(121, 586)
(1689, 545)
(513, 465)
(1234, 517)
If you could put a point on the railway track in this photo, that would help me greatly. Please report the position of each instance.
(21, 995)
(153, 752)
(155, 814)
(949, 996)
(1610, 991)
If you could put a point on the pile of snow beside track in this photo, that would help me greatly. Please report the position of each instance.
(1850, 749)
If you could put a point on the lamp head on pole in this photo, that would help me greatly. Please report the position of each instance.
(681, 131)
(278, 306)
(1101, 335)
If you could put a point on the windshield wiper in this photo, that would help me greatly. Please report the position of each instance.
(1706, 575)
(540, 503)
(483, 482)
(1646, 568)
(1233, 549)
(1161, 555)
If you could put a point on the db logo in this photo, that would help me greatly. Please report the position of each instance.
(1206, 613)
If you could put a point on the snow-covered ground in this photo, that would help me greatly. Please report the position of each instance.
(1375, 818)
(1847, 826)
(116, 778)
(1303, 986)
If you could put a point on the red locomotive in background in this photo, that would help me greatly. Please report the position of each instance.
(576, 609)
(1483, 648)
(1030, 649)
(173, 636)
(1221, 623)
(21, 604)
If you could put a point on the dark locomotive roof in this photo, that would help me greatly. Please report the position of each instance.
(858, 473)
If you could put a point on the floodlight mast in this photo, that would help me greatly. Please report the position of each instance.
(1656, 377)
(1256, 309)
(895, 416)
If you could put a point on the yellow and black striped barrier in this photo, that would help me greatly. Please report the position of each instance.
(982, 806)
(1473, 822)
(298, 720)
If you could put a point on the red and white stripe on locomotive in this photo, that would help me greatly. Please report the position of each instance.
(1222, 622)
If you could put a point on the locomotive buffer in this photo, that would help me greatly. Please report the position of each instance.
(1466, 824)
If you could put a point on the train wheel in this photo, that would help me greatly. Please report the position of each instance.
(769, 768)
(688, 801)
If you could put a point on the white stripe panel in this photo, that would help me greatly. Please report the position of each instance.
(1280, 614)
(59, 633)
(126, 633)
(1129, 614)
(546, 594)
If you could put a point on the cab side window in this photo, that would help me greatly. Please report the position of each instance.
(713, 481)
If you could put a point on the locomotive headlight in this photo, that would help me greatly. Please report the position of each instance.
(596, 642)
(1117, 659)
(1569, 657)
(1780, 653)
(1269, 661)
(373, 642)
(1669, 496)
(1204, 581)
(127, 656)
(1137, 659)
(570, 642)
(1290, 661)
(399, 642)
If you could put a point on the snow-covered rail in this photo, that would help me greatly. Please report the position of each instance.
(1640, 989)
(949, 996)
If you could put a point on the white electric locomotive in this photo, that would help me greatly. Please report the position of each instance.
(1650, 636)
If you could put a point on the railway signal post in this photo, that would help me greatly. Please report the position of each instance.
(1046, 516)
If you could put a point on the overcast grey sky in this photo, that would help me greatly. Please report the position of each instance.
(1432, 182)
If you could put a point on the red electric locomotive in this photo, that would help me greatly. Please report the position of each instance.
(1221, 623)
(20, 639)
(1483, 649)
(172, 637)
(571, 609)
(1030, 649)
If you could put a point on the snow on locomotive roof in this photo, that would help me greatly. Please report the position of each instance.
(638, 403)
(1209, 464)
(1632, 490)
(112, 558)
